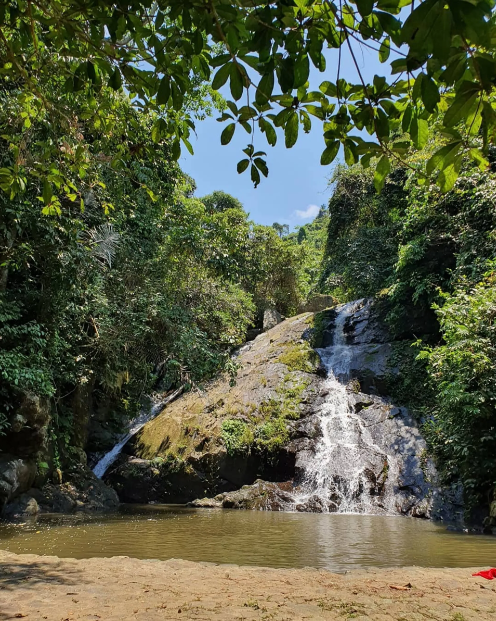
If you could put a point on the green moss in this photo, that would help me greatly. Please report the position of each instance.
(237, 436)
(272, 435)
(267, 429)
(299, 357)
(321, 322)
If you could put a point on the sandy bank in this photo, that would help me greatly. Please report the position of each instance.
(121, 588)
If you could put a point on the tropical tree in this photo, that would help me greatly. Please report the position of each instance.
(166, 54)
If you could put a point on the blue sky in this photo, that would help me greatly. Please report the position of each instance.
(297, 183)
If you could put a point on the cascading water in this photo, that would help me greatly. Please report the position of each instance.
(138, 423)
(340, 475)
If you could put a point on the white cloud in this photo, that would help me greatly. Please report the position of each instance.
(310, 212)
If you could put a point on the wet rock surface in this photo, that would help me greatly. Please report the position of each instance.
(16, 476)
(182, 454)
(83, 492)
(261, 495)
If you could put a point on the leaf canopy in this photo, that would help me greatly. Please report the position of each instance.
(162, 54)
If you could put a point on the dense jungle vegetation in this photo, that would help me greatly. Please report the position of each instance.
(136, 282)
(115, 277)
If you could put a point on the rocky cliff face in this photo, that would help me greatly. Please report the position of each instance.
(258, 442)
(231, 433)
(27, 459)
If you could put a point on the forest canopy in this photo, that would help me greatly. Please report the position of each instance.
(172, 56)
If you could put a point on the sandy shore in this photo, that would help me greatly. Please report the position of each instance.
(121, 588)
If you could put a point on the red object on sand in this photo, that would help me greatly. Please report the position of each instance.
(490, 574)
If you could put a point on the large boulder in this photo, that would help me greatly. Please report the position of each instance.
(25, 506)
(271, 318)
(16, 476)
(261, 495)
(317, 303)
(83, 492)
(231, 434)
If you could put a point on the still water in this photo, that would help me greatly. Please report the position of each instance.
(335, 542)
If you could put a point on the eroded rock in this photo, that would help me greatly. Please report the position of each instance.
(16, 476)
(261, 495)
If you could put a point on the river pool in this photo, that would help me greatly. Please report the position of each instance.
(333, 541)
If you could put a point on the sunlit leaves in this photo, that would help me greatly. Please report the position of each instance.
(462, 104)
(383, 168)
(385, 50)
(330, 153)
(444, 51)
(419, 131)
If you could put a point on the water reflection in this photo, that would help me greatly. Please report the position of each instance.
(335, 542)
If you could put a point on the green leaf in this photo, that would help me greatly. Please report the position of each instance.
(385, 50)
(462, 104)
(156, 132)
(268, 129)
(382, 125)
(177, 97)
(364, 7)
(301, 71)
(328, 88)
(430, 93)
(198, 41)
(262, 166)
(419, 132)
(255, 175)
(265, 88)
(285, 74)
(382, 170)
(176, 150)
(291, 130)
(236, 82)
(164, 91)
(315, 111)
(442, 38)
(242, 165)
(416, 91)
(448, 176)
(350, 152)
(222, 59)
(47, 192)
(329, 154)
(221, 76)
(115, 80)
(407, 118)
(91, 72)
(443, 157)
(187, 144)
(477, 156)
(227, 133)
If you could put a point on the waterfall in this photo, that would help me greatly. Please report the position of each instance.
(138, 423)
(339, 473)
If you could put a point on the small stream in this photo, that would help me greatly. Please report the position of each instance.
(275, 539)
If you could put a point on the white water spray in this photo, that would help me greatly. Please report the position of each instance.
(138, 423)
(339, 475)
